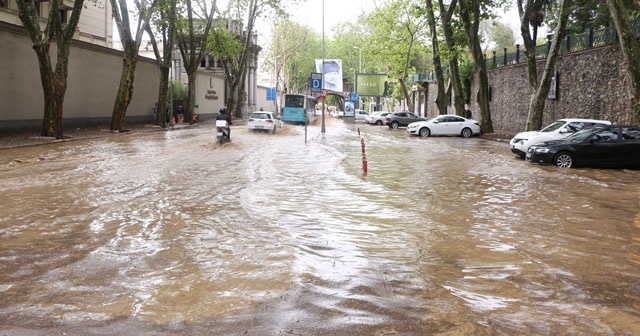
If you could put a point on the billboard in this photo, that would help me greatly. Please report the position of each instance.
(376, 85)
(332, 73)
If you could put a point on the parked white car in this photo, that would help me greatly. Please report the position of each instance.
(557, 130)
(377, 118)
(445, 125)
(263, 121)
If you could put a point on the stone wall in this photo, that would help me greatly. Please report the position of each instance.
(590, 84)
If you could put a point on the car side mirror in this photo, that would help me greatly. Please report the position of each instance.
(596, 138)
(564, 130)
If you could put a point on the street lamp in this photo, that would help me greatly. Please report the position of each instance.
(360, 58)
(275, 81)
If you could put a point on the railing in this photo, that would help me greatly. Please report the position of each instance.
(571, 43)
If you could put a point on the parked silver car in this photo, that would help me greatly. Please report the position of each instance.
(404, 118)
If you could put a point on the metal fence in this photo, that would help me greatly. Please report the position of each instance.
(571, 43)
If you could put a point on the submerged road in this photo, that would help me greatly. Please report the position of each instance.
(166, 233)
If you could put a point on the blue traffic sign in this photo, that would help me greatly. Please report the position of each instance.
(316, 81)
(271, 94)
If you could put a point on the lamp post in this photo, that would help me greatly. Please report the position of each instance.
(275, 81)
(360, 56)
(322, 129)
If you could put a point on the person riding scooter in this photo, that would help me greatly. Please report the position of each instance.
(226, 117)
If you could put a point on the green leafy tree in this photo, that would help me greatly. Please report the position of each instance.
(396, 39)
(291, 55)
(131, 45)
(472, 12)
(532, 14)
(441, 98)
(242, 48)
(499, 34)
(192, 34)
(630, 51)
(53, 78)
(455, 43)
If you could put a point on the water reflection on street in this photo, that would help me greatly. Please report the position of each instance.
(167, 233)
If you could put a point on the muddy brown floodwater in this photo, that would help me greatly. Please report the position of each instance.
(165, 233)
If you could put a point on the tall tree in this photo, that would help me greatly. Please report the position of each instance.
(453, 46)
(396, 40)
(631, 52)
(130, 44)
(53, 79)
(294, 48)
(243, 46)
(441, 98)
(471, 13)
(539, 89)
(192, 37)
(164, 26)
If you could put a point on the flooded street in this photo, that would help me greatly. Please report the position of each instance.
(166, 233)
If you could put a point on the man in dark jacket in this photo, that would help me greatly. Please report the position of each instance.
(224, 116)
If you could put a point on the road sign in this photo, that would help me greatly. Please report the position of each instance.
(316, 81)
(271, 94)
(323, 94)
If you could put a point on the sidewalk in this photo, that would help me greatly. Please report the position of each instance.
(33, 138)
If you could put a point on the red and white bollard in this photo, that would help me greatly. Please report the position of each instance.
(364, 157)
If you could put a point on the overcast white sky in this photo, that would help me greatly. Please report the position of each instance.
(309, 13)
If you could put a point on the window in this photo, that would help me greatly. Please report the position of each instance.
(4, 3)
(64, 16)
(631, 133)
(607, 135)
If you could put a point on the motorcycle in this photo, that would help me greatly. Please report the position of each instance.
(222, 132)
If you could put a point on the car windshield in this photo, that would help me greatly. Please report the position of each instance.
(554, 126)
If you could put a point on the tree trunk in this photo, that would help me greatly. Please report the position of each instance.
(406, 95)
(54, 82)
(441, 98)
(125, 89)
(191, 99)
(540, 93)
(471, 25)
(631, 52)
(454, 70)
(163, 92)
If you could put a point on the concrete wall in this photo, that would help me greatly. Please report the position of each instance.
(590, 84)
(210, 93)
(93, 80)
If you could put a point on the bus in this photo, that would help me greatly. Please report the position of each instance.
(298, 109)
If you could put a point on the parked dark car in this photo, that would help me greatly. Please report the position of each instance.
(404, 118)
(599, 146)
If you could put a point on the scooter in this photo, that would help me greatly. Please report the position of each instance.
(222, 132)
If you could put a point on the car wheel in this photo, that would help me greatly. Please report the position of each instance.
(394, 125)
(424, 132)
(466, 132)
(379, 122)
(564, 160)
